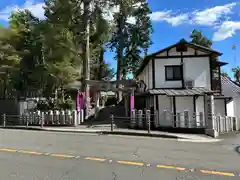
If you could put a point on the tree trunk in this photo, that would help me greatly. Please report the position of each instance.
(100, 72)
(120, 51)
(86, 68)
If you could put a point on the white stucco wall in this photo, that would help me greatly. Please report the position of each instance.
(200, 75)
(230, 108)
(200, 105)
(219, 107)
(146, 75)
(197, 69)
(237, 106)
(160, 73)
(184, 103)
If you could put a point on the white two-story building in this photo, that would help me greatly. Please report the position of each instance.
(183, 77)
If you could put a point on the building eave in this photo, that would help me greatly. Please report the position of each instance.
(147, 59)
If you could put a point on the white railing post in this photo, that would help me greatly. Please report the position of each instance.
(75, 118)
(218, 123)
(51, 116)
(69, 113)
(58, 117)
(78, 117)
(38, 117)
(227, 124)
(63, 117)
(82, 115)
(164, 115)
(231, 124)
(42, 119)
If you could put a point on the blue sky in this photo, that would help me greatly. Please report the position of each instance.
(172, 20)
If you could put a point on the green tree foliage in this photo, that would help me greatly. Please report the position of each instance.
(131, 37)
(198, 38)
(225, 74)
(45, 55)
(236, 72)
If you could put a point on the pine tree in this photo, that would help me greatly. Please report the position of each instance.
(130, 39)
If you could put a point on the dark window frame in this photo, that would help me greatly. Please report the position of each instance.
(174, 77)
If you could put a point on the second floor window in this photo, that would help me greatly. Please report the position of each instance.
(173, 73)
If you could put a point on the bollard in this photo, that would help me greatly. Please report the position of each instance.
(178, 120)
(201, 120)
(4, 120)
(133, 119)
(112, 122)
(148, 119)
(193, 123)
(156, 119)
(140, 120)
(186, 119)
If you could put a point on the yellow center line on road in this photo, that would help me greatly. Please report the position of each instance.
(62, 155)
(119, 162)
(31, 152)
(8, 150)
(131, 163)
(95, 159)
(217, 173)
(171, 167)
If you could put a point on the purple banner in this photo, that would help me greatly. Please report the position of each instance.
(80, 101)
(131, 102)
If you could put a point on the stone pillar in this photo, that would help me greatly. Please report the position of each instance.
(209, 116)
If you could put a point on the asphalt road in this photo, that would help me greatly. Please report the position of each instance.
(45, 155)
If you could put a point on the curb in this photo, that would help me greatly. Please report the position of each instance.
(104, 132)
(100, 132)
(141, 134)
(53, 130)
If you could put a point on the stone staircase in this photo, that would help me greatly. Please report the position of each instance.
(103, 116)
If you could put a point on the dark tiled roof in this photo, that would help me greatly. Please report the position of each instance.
(229, 87)
(180, 92)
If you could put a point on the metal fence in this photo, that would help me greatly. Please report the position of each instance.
(149, 120)
(226, 124)
(139, 118)
(38, 118)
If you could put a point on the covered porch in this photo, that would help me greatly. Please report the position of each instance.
(181, 108)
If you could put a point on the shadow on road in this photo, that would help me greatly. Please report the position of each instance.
(103, 117)
(238, 149)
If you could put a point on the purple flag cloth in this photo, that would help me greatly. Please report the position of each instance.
(131, 102)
